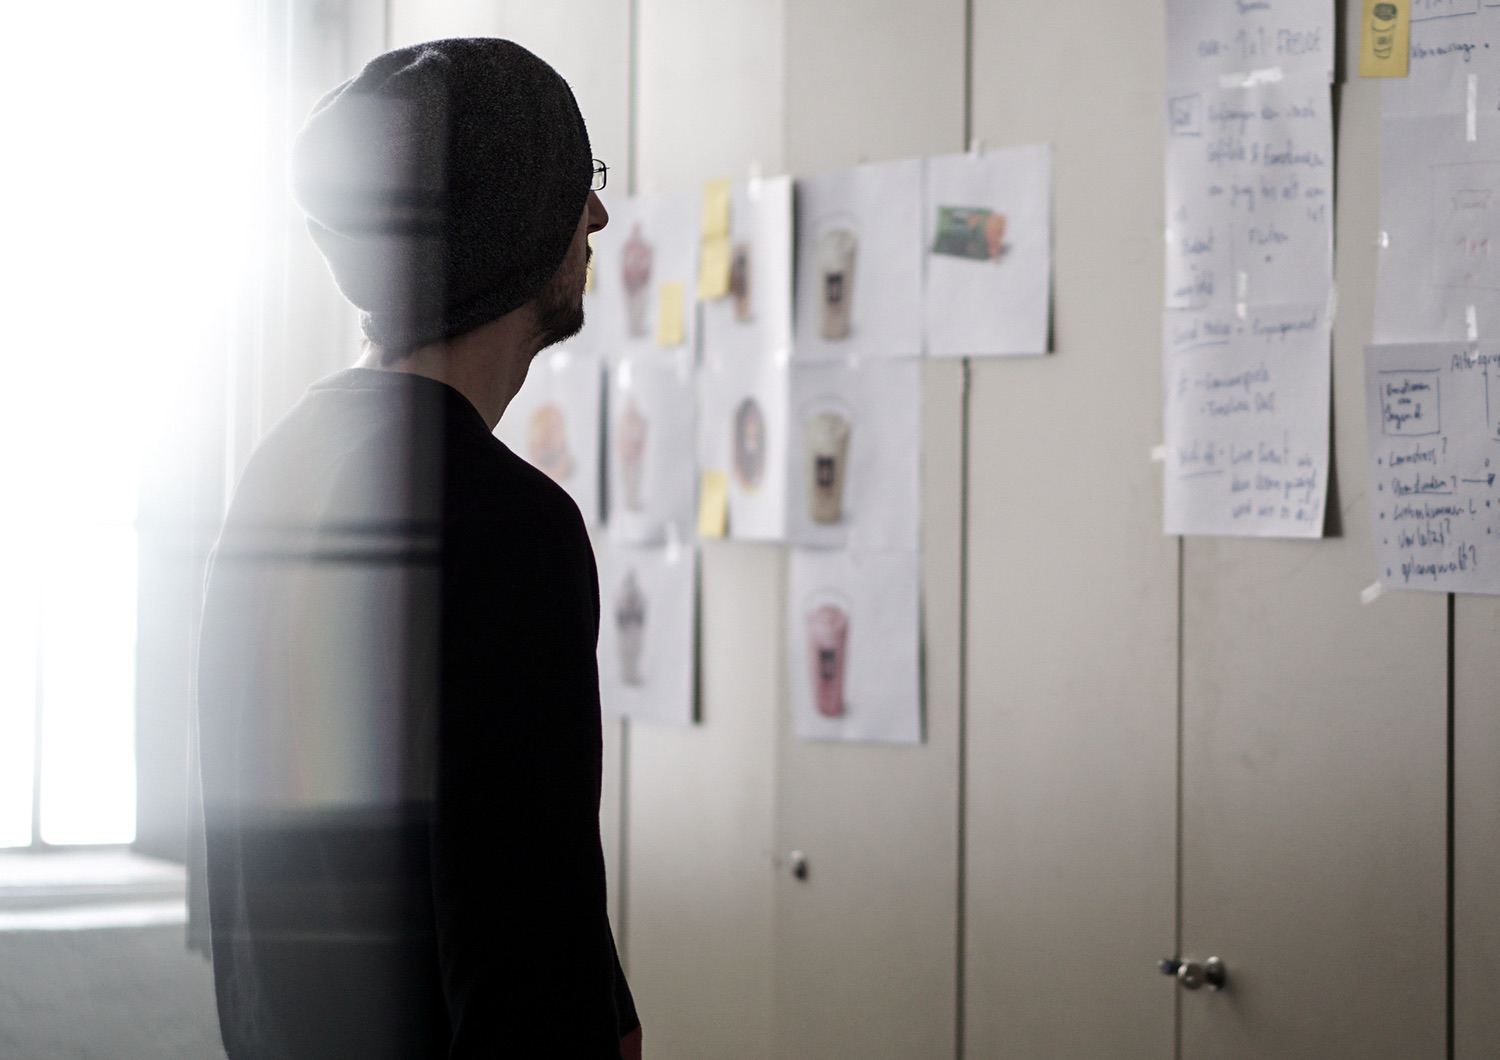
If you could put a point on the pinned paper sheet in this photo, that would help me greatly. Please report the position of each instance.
(669, 309)
(1385, 32)
(714, 263)
(713, 504)
(716, 209)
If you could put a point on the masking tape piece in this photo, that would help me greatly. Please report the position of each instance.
(1158, 454)
(1471, 116)
(1370, 593)
(1471, 323)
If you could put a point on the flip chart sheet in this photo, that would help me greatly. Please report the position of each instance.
(1249, 267)
(1433, 415)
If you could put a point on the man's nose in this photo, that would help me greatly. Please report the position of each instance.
(598, 215)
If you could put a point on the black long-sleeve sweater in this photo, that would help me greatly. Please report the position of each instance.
(400, 743)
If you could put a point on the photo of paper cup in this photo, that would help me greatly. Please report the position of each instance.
(969, 232)
(635, 269)
(630, 625)
(739, 280)
(1383, 29)
(828, 649)
(826, 447)
(749, 444)
(836, 253)
(547, 442)
(630, 449)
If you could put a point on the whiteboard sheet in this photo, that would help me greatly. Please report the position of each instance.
(1440, 181)
(1209, 43)
(652, 481)
(1247, 421)
(859, 262)
(1433, 416)
(989, 252)
(853, 645)
(743, 433)
(554, 423)
(854, 455)
(647, 644)
(755, 318)
(649, 241)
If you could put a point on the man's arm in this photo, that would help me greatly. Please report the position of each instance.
(528, 962)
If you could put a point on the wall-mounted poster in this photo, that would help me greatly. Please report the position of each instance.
(643, 261)
(853, 644)
(859, 262)
(755, 317)
(646, 630)
(554, 423)
(854, 451)
(743, 433)
(652, 476)
(989, 252)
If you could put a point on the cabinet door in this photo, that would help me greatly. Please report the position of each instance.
(1314, 759)
(1072, 595)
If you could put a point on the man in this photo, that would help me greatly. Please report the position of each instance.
(398, 695)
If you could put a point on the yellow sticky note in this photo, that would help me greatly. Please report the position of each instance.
(715, 209)
(669, 330)
(1385, 38)
(713, 267)
(588, 272)
(713, 504)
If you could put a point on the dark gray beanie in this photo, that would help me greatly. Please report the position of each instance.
(443, 184)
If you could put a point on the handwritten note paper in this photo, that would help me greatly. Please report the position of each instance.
(1249, 267)
(1433, 416)
(1247, 421)
(1440, 181)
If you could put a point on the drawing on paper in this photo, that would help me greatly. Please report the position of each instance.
(970, 232)
(1383, 18)
(827, 649)
(630, 448)
(1467, 228)
(547, 441)
(630, 624)
(836, 255)
(749, 444)
(1185, 115)
(739, 281)
(635, 268)
(826, 452)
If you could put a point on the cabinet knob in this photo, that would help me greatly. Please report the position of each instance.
(797, 861)
(1194, 974)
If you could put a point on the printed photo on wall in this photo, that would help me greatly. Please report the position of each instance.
(854, 455)
(651, 483)
(859, 262)
(742, 433)
(853, 645)
(988, 220)
(554, 423)
(646, 630)
(643, 272)
(755, 316)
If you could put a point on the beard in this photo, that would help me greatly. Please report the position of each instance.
(559, 308)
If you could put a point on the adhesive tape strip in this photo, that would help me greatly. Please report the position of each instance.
(1372, 592)
(1471, 116)
(1471, 323)
(1158, 454)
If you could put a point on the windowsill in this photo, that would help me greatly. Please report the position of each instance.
(88, 889)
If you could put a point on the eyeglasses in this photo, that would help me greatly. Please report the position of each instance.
(601, 175)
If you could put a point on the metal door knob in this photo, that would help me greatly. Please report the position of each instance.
(1194, 974)
(797, 861)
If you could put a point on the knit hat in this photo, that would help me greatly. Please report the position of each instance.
(443, 183)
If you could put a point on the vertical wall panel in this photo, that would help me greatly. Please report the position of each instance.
(865, 959)
(1476, 822)
(1072, 585)
(699, 800)
(1315, 729)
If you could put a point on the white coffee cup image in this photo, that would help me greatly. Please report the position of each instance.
(837, 249)
(825, 446)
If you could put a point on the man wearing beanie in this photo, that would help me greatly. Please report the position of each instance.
(398, 695)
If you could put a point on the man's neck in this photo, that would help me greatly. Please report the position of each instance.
(486, 365)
